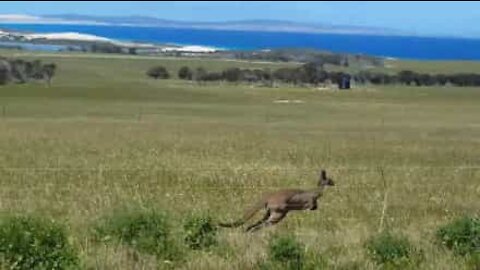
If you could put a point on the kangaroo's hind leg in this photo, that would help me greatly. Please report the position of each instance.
(258, 224)
(276, 217)
(273, 218)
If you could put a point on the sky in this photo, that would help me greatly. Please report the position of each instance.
(453, 18)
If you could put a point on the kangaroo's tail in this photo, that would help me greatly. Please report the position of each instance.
(248, 215)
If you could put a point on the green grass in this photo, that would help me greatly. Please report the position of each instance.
(104, 135)
(435, 67)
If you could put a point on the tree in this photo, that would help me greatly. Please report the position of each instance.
(313, 73)
(5, 71)
(19, 71)
(49, 72)
(251, 76)
(426, 79)
(200, 74)
(406, 76)
(35, 70)
(185, 73)
(105, 48)
(310, 72)
(212, 76)
(232, 74)
(335, 77)
(287, 75)
(4, 76)
(441, 79)
(158, 72)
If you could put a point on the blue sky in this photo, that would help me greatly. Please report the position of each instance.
(430, 18)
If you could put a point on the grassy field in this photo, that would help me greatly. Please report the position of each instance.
(104, 136)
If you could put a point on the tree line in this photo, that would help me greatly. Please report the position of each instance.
(22, 71)
(304, 56)
(408, 77)
(314, 74)
(307, 74)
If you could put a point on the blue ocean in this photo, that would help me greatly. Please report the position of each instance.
(389, 46)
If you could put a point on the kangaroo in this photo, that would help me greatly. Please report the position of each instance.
(278, 204)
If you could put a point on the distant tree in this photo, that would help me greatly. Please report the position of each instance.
(465, 79)
(232, 74)
(265, 76)
(335, 77)
(288, 75)
(4, 76)
(21, 71)
(250, 76)
(185, 73)
(426, 79)
(105, 48)
(310, 72)
(49, 72)
(407, 77)
(18, 71)
(5, 71)
(363, 77)
(322, 76)
(200, 74)
(441, 79)
(35, 70)
(158, 72)
(212, 76)
(260, 74)
(313, 73)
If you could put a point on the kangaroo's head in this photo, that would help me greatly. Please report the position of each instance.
(324, 180)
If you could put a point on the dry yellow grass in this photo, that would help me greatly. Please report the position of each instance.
(104, 136)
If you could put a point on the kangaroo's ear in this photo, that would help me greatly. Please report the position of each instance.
(323, 174)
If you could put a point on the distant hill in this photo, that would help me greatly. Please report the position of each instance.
(245, 25)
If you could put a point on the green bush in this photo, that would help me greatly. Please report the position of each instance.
(158, 72)
(393, 250)
(33, 243)
(145, 230)
(462, 235)
(200, 233)
(287, 251)
(185, 73)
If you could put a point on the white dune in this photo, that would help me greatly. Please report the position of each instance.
(193, 48)
(67, 36)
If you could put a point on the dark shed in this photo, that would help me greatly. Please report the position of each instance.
(344, 81)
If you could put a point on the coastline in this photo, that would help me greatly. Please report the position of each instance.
(194, 41)
(16, 38)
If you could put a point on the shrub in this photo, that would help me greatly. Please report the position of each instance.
(185, 73)
(145, 230)
(232, 74)
(287, 251)
(32, 243)
(389, 249)
(5, 71)
(158, 72)
(462, 235)
(200, 233)
(200, 73)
